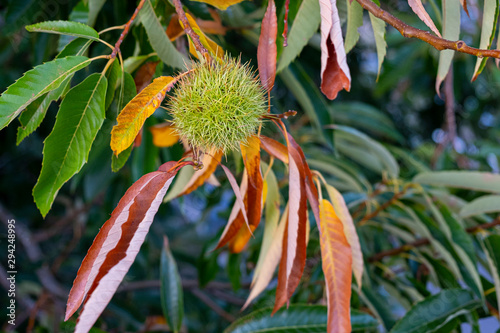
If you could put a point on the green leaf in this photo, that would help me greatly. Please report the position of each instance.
(482, 205)
(304, 26)
(435, 311)
(67, 147)
(70, 28)
(172, 299)
(471, 180)
(34, 114)
(95, 7)
(159, 39)
(378, 26)
(112, 75)
(35, 83)
(490, 16)
(355, 138)
(451, 31)
(234, 271)
(296, 319)
(492, 245)
(354, 21)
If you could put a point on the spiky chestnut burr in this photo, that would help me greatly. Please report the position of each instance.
(218, 105)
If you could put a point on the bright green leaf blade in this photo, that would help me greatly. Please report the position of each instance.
(490, 16)
(435, 311)
(70, 28)
(159, 39)
(172, 299)
(304, 26)
(112, 75)
(296, 319)
(354, 21)
(35, 83)
(67, 147)
(482, 205)
(471, 180)
(379, 32)
(451, 31)
(34, 114)
(362, 140)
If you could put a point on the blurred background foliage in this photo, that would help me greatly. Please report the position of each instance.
(386, 132)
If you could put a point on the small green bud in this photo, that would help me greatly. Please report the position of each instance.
(218, 105)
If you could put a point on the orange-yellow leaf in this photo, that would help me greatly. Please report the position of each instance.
(336, 262)
(221, 4)
(209, 44)
(164, 135)
(267, 50)
(210, 162)
(175, 30)
(349, 230)
(135, 113)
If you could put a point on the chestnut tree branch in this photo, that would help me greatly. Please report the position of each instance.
(189, 31)
(436, 42)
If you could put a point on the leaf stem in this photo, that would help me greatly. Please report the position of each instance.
(436, 42)
(189, 31)
(118, 27)
(126, 29)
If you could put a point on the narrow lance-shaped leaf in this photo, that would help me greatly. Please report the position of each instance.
(35, 83)
(172, 298)
(70, 28)
(471, 180)
(297, 319)
(236, 219)
(418, 8)
(209, 44)
(435, 311)
(253, 196)
(267, 50)
(492, 246)
(451, 31)
(67, 147)
(294, 241)
(116, 246)
(354, 21)
(159, 39)
(304, 26)
(350, 233)
(335, 74)
(482, 205)
(490, 17)
(268, 260)
(336, 261)
(378, 26)
(132, 117)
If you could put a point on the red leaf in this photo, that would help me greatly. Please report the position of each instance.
(285, 23)
(293, 259)
(267, 50)
(117, 244)
(253, 195)
(274, 148)
(335, 74)
(336, 260)
(144, 75)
